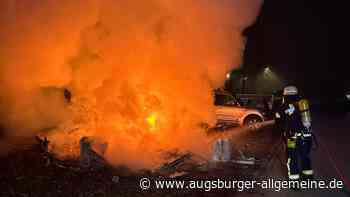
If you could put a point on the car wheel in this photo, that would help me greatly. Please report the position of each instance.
(251, 121)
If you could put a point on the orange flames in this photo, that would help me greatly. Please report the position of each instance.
(141, 72)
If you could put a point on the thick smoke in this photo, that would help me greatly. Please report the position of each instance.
(140, 72)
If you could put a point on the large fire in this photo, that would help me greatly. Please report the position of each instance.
(141, 72)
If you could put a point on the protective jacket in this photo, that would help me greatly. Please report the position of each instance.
(294, 117)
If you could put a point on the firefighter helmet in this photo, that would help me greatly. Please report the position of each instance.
(290, 90)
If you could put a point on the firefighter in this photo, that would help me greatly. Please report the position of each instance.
(294, 115)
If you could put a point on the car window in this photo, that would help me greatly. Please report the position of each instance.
(225, 100)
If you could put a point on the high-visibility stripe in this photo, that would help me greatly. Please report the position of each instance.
(291, 176)
(291, 143)
(288, 163)
(300, 134)
(308, 172)
(277, 115)
(294, 176)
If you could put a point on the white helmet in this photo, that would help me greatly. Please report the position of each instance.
(290, 90)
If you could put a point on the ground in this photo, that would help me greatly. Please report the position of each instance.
(24, 173)
(332, 136)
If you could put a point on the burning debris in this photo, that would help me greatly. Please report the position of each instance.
(174, 166)
(44, 146)
(135, 74)
(91, 152)
(68, 177)
(90, 158)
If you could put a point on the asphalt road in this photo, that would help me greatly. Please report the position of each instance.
(333, 137)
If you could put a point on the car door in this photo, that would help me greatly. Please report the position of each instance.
(230, 111)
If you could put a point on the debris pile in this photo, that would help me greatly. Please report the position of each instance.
(89, 158)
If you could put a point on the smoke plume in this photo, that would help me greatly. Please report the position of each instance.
(138, 74)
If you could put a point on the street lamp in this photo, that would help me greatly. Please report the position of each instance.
(228, 75)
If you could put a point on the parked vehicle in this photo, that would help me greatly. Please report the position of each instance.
(229, 112)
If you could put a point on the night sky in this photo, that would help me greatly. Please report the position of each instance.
(293, 37)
